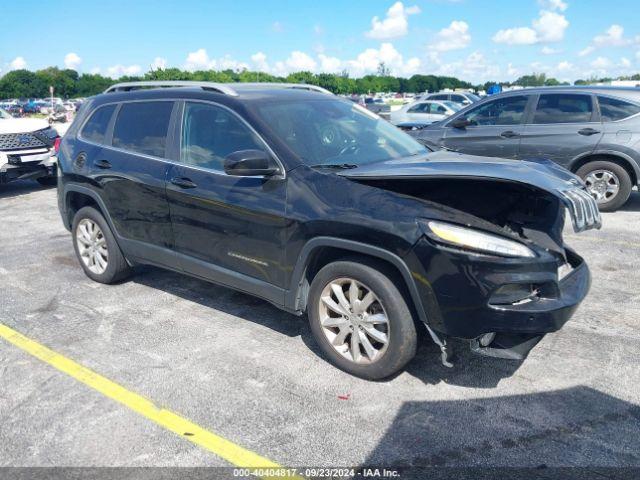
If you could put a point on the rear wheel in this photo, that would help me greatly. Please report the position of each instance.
(361, 320)
(607, 182)
(96, 247)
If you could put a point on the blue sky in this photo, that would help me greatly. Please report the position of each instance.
(476, 40)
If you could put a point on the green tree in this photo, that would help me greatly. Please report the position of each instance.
(22, 84)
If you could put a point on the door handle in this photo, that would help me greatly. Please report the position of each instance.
(509, 134)
(588, 131)
(103, 164)
(183, 182)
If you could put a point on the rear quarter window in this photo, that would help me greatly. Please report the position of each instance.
(95, 128)
(141, 127)
(612, 109)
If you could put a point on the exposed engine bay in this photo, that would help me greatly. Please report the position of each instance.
(518, 209)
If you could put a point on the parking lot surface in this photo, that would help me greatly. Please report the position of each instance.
(241, 368)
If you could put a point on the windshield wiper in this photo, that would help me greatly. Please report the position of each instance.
(338, 166)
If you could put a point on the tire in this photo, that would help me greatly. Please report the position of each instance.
(115, 266)
(599, 170)
(399, 331)
(47, 181)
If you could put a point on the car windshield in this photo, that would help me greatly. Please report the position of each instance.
(4, 114)
(335, 132)
(473, 97)
(453, 105)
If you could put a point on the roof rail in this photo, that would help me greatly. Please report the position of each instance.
(225, 88)
(128, 86)
(298, 86)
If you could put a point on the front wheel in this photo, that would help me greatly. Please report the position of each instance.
(607, 182)
(361, 320)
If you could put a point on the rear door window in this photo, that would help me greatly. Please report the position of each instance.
(612, 109)
(419, 108)
(141, 127)
(502, 111)
(563, 108)
(95, 129)
(439, 97)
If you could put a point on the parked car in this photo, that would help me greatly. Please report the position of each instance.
(462, 98)
(27, 149)
(592, 131)
(424, 112)
(58, 113)
(314, 204)
(377, 105)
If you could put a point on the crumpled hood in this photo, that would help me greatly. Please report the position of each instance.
(539, 173)
(22, 125)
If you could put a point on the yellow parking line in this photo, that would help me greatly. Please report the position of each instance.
(234, 454)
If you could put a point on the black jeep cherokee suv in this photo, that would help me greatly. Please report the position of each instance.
(319, 206)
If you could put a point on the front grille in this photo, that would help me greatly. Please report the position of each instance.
(20, 141)
(583, 209)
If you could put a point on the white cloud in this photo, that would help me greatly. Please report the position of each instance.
(259, 60)
(586, 51)
(277, 27)
(368, 61)
(18, 63)
(475, 67)
(298, 61)
(395, 24)
(564, 66)
(548, 27)
(601, 62)
(613, 37)
(516, 36)
(453, 37)
(198, 60)
(116, 71)
(318, 30)
(546, 50)
(553, 5)
(329, 64)
(159, 63)
(625, 62)
(72, 61)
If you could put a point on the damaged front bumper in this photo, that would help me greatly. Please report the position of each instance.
(468, 296)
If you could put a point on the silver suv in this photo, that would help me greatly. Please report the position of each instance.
(592, 131)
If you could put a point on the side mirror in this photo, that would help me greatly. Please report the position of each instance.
(250, 163)
(461, 122)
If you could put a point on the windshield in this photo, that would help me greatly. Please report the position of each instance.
(4, 114)
(473, 97)
(324, 132)
(453, 105)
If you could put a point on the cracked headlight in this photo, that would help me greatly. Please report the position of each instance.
(471, 239)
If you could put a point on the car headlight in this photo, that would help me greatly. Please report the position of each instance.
(475, 240)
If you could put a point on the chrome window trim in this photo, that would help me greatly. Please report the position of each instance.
(283, 171)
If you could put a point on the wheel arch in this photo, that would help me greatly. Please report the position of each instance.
(321, 251)
(77, 197)
(618, 158)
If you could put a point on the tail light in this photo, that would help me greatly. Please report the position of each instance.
(56, 145)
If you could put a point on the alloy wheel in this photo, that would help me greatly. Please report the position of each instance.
(354, 321)
(92, 246)
(603, 185)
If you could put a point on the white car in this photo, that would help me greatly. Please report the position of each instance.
(27, 149)
(424, 112)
